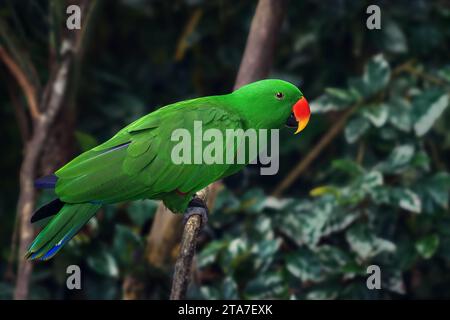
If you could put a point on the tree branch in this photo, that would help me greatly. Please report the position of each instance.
(27, 88)
(184, 262)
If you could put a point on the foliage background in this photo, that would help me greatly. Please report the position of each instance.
(377, 194)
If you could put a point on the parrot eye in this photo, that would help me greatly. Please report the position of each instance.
(279, 95)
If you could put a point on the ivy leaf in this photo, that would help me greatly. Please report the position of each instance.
(427, 246)
(409, 200)
(305, 265)
(266, 285)
(141, 211)
(400, 114)
(209, 254)
(428, 107)
(324, 104)
(394, 39)
(366, 244)
(125, 243)
(397, 160)
(355, 129)
(377, 73)
(371, 180)
(340, 96)
(348, 166)
(229, 289)
(438, 187)
(376, 114)
(103, 263)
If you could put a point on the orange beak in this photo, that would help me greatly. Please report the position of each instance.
(301, 114)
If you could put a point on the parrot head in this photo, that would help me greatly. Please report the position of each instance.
(271, 103)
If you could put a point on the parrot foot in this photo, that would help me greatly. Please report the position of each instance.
(197, 207)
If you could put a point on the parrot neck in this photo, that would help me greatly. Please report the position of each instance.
(249, 109)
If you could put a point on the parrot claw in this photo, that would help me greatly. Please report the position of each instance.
(197, 207)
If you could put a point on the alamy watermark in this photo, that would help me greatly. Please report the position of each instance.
(232, 146)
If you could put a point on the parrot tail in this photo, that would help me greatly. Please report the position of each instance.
(61, 228)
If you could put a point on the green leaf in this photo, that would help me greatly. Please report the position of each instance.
(366, 244)
(400, 114)
(265, 251)
(229, 289)
(103, 263)
(355, 129)
(340, 96)
(266, 286)
(445, 73)
(324, 104)
(305, 224)
(394, 39)
(125, 244)
(376, 114)
(305, 265)
(438, 188)
(427, 246)
(371, 180)
(377, 73)
(397, 160)
(428, 107)
(348, 166)
(409, 200)
(85, 140)
(209, 254)
(141, 211)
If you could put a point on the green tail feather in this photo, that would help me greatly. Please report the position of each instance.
(61, 228)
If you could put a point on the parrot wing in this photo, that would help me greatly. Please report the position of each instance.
(137, 162)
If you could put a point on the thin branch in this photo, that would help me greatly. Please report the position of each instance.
(183, 43)
(28, 89)
(184, 262)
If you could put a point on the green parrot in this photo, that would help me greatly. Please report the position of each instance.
(136, 162)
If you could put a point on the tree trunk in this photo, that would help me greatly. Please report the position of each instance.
(51, 104)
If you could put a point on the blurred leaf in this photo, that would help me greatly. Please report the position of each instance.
(141, 211)
(324, 104)
(126, 242)
(266, 285)
(394, 39)
(398, 159)
(340, 96)
(229, 289)
(85, 141)
(400, 114)
(427, 246)
(428, 107)
(377, 73)
(348, 166)
(409, 200)
(305, 265)
(103, 263)
(355, 128)
(209, 254)
(376, 114)
(438, 188)
(265, 253)
(366, 244)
